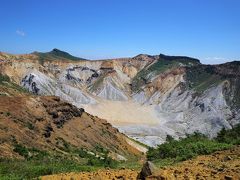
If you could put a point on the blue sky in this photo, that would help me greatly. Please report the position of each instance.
(95, 29)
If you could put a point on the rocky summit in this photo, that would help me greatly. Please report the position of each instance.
(146, 97)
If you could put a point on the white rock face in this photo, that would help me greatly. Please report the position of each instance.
(111, 93)
(39, 83)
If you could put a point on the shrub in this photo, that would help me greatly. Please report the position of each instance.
(186, 148)
(82, 153)
(21, 150)
(4, 78)
(30, 126)
(105, 162)
(231, 136)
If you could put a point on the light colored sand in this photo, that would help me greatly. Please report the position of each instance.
(123, 112)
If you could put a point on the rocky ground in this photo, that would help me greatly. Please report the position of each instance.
(99, 175)
(219, 165)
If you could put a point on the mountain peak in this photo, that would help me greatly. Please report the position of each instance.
(57, 54)
(58, 51)
(179, 58)
(144, 57)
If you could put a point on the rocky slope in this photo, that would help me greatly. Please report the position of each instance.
(45, 123)
(219, 165)
(146, 97)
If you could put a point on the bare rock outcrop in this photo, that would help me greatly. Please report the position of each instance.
(147, 170)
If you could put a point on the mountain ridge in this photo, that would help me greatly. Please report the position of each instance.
(150, 96)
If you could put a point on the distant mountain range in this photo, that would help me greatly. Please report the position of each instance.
(145, 97)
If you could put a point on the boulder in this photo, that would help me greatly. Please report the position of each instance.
(147, 170)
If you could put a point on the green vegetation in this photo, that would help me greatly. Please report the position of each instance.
(145, 74)
(97, 83)
(235, 86)
(164, 63)
(33, 168)
(38, 163)
(182, 59)
(173, 151)
(4, 78)
(104, 161)
(30, 126)
(21, 150)
(29, 153)
(130, 164)
(201, 78)
(230, 136)
(56, 54)
(5, 82)
(186, 148)
(8, 113)
(98, 158)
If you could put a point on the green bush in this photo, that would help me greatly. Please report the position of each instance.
(30, 126)
(6, 82)
(4, 78)
(193, 145)
(82, 153)
(21, 150)
(102, 162)
(186, 148)
(201, 77)
(157, 68)
(231, 136)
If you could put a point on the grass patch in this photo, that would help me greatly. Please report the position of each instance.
(98, 82)
(30, 126)
(4, 78)
(5, 82)
(235, 89)
(29, 169)
(200, 78)
(145, 74)
(133, 164)
(230, 136)
(104, 161)
(98, 158)
(21, 150)
(39, 163)
(54, 55)
(164, 63)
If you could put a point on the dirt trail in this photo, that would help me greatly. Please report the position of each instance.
(221, 165)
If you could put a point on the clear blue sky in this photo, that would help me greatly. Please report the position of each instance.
(206, 29)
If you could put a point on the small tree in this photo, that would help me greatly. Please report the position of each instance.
(169, 138)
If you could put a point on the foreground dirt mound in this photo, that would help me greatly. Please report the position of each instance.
(99, 175)
(219, 165)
